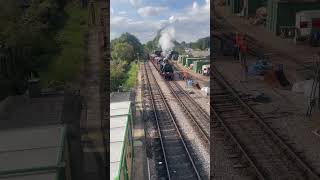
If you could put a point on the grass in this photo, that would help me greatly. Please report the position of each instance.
(67, 65)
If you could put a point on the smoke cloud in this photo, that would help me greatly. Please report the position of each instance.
(167, 38)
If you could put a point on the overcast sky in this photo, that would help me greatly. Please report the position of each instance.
(143, 18)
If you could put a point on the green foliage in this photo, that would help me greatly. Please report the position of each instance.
(123, 51)
(130, 39)
(153, 44)
(117, 74)
(131, 76)
(201, 44)
(27, 37)
(67, 65)
(123, 69)
(149, 46)
(122, 74)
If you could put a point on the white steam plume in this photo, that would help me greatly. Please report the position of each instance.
(167, 38)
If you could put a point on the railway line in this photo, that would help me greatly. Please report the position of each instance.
(257, 148)
(195, 112)
(174, 161)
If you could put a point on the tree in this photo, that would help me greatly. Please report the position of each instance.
(149, 46)
(124, 52)
(130, 39)
(117, 69)
(27, 35)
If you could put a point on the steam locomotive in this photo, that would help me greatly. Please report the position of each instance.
(163, 66)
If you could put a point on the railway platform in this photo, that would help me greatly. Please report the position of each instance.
(204, 81)
(296, 54)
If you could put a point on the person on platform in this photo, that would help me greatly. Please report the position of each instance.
(243, 48)
(236, 46)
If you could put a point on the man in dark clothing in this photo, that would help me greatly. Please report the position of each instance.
(242, 57)
(236, 46)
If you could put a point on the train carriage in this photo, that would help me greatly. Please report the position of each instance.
(121, 141)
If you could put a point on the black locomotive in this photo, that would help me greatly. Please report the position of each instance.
(163, 66)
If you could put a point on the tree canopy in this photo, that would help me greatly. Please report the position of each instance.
(117, 74)
(131, 40)
(201, 44)
(123, 51)
(27, 31)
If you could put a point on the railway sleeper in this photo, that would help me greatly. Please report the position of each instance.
(220, 108)
(229, 110)
(220, 135)
(169, 137)
(164, 123)
(226, 115)
(169, 130)
(219, 130)
(216, 124)
(178, 157)
(186, 175)
(240, 166)
(235, 155)
(227, 101)
(180, 165)
(222, 93)
(162, 175)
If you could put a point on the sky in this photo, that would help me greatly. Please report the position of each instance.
(190, 19)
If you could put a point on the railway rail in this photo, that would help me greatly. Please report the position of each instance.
(173, 157)
(193, 110)
(256, 144)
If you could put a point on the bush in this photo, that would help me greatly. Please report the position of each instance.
(131, 76)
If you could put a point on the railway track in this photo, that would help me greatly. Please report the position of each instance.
(192, 109)
(195, 112)
(172, 155)
(257, 147)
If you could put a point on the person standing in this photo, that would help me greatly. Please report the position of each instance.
(243, 57)
(236, 46)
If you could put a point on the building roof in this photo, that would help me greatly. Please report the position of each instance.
(298, 1)
(41, 176)
(31, 150)
(120, 96)
(22, 111)
(119, 112)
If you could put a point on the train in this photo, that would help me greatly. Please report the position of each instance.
(163, 66)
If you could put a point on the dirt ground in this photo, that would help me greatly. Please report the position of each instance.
(140, 159)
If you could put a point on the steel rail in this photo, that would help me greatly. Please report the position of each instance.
(173, 120)
(270, 131)
(258, 171)
(158, 126)
(187, 110)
